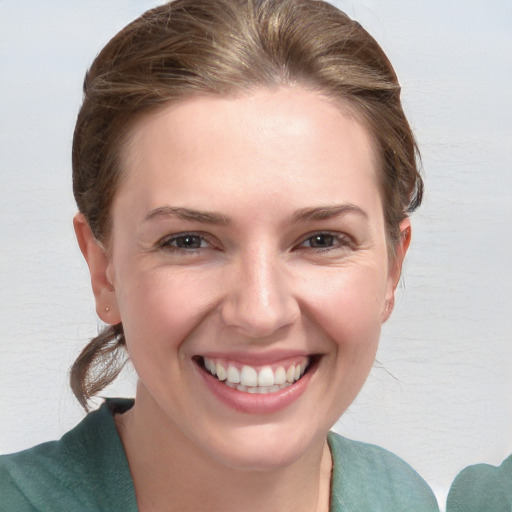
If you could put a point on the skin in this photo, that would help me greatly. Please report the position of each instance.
(268, 277)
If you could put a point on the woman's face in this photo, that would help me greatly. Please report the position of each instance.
(248, 242)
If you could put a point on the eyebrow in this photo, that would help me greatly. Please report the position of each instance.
(187, 214)
(217, 218)
(327, 212)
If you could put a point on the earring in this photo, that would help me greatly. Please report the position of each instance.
(107, 309)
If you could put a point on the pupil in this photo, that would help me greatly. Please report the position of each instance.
(188, 242)
(322, 241)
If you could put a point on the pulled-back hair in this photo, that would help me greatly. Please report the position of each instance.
(227, 47)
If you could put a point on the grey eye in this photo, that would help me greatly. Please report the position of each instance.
(321, 241)
(186, 242)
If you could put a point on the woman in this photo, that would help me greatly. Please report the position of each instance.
(244, 174)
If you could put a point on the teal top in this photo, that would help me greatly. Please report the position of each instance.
(482, 488)
(87, 470)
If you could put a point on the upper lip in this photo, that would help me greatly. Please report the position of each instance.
(256, 357)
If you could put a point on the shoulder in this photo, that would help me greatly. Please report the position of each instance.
(482, 487)
(69, 474)
(31, 479)
(367, 477)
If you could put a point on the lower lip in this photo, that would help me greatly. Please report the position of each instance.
(255, 403)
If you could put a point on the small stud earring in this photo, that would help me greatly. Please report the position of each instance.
(107, 309)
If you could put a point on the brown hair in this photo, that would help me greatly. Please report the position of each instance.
(223, 47)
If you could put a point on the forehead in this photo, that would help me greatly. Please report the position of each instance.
(270, 141)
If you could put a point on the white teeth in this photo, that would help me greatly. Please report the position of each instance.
(280, 376)
(266, 377)
(248, 376)
(209, 365)
(268, 389)
(290, 374)
(249, 380)
(221, 372)
(233, 375)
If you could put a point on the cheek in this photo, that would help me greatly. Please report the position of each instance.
(348, 304)
(159, 308)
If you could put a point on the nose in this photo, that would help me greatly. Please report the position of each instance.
(259, 300)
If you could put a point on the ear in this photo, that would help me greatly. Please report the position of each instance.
(395, 267)
(100, 268)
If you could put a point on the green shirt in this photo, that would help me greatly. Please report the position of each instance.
(87, 470)
(482, 488)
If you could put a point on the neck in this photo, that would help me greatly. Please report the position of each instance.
(170, 473)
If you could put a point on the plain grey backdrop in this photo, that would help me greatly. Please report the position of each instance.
(440, 395)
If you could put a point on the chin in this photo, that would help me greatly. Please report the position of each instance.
(265, 449)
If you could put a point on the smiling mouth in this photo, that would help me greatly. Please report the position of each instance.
(256, 380)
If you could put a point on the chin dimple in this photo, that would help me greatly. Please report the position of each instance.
(258, 380)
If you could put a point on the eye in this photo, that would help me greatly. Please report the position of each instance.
(326, 241)
(185, 241)
(320, 241)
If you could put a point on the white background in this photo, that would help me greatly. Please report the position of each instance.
(440, 396)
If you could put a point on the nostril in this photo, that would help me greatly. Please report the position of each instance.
(260, 321)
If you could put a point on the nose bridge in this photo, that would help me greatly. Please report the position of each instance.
(259, 300)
